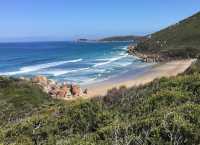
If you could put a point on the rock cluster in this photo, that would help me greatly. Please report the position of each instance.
(150, 58)
(56, 90)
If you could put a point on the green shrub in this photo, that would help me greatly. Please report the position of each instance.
(165, 111)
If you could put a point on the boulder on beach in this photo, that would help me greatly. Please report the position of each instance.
(57, 90)
(42, 80)
(61, 93)
(85, 91)
(53, 90)
(76, 90)
(64, 88)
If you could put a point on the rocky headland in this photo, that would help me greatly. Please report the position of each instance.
(176, 42)
(148, 57)
(144, 57)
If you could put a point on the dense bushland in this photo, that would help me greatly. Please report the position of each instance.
(166, 111)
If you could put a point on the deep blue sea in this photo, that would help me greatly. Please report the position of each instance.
(74, 62)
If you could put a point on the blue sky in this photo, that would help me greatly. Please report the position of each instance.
(70, 19)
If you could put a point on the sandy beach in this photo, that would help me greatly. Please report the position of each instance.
(167, 69)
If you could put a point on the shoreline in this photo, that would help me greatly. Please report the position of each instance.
(132, 78)
(163, 69)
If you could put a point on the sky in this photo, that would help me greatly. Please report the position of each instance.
(24, 20)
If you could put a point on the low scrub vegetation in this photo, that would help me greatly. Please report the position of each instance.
(166, 111)
(181, 40)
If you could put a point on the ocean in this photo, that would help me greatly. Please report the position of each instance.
(72, 62)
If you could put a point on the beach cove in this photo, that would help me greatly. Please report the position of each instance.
(84, 76)
(165, 69)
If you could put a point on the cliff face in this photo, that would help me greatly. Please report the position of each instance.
(180, 41)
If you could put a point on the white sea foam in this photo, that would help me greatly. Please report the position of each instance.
(124, 64)
(107, 61)
(88, 80)
(85, 80)
(122, 48)
(57, 73)
(47, 65)
(38, 67)
(80, 80)
(102, 59)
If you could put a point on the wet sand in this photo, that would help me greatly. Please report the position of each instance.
(167, 69)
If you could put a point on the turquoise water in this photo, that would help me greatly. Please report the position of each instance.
(72, 62)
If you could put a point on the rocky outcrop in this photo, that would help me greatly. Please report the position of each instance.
(76, 90)
(150, 58)
(40, 80)
(57, 90)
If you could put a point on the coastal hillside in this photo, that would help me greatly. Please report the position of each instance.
(123, 38)
(166, 111)
(181, 40)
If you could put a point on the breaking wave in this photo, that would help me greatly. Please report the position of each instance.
(107, 61)
(33, 68)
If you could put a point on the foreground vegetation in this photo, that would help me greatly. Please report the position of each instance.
(166, 111)
(181, 40)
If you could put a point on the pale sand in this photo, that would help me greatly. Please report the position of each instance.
(167, 69)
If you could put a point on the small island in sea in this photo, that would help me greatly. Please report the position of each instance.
(120, 90)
